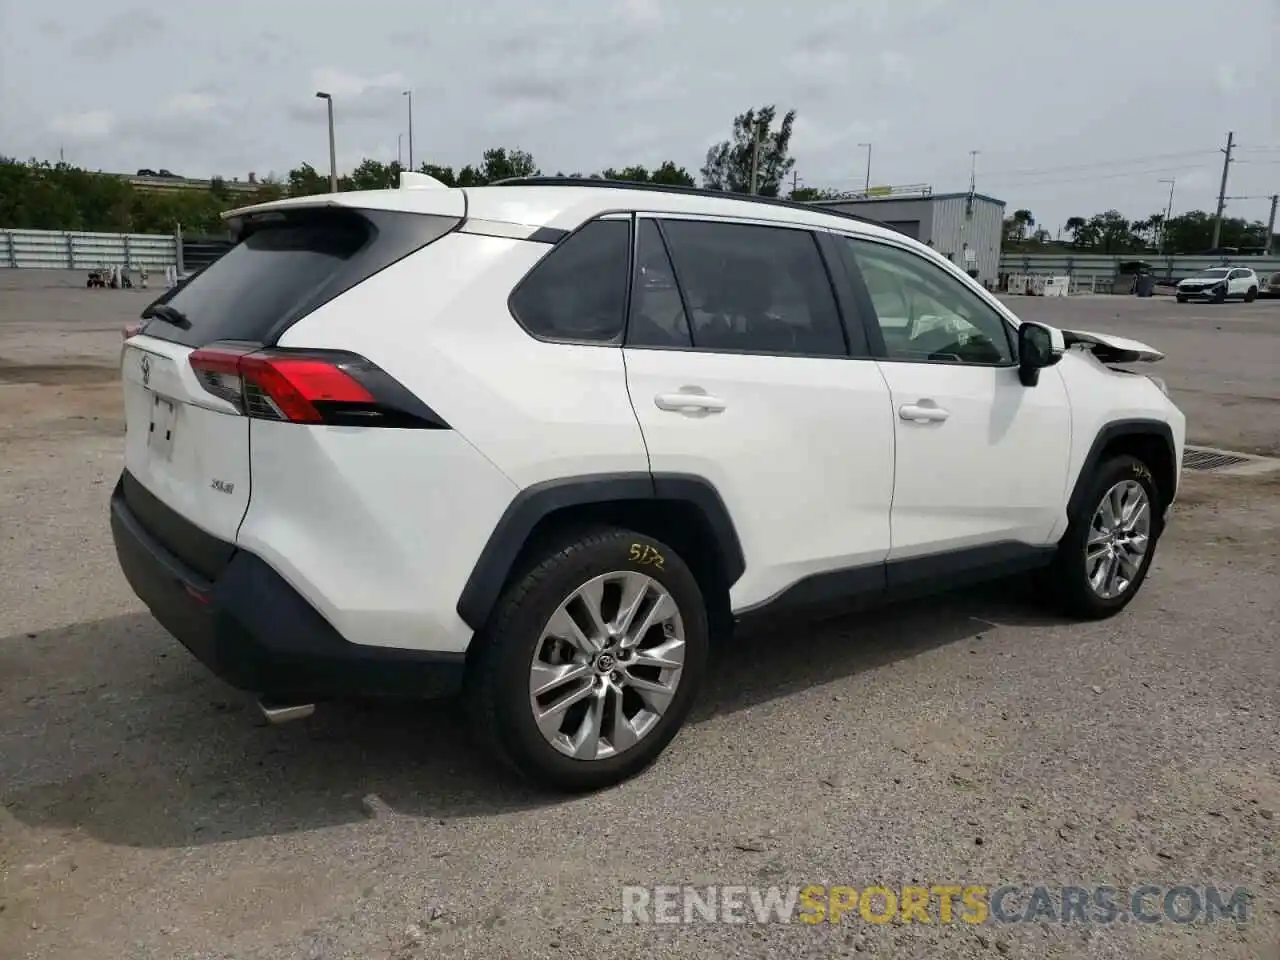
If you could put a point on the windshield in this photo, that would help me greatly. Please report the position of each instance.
(1215, 274)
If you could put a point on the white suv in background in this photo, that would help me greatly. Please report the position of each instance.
(1219, 284)
(541, 441)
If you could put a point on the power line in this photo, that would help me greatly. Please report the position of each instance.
(1035, 171)
(1100, 176)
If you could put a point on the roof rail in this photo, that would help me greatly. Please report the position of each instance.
(687, 191)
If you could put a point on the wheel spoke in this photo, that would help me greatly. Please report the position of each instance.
(549, 720)
(563, 627)
(546, 677)
(622, 733)
(665, 656)
(635, 587)
(664, 608)
(1136, 515)
(586, 742)
(592, 596)
(656, 696)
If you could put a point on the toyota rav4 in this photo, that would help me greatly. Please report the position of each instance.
(540, 442)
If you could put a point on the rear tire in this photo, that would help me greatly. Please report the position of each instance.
(1096, 571)
(542, 632)
(1251, 295)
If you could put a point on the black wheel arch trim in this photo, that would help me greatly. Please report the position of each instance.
(1112, 431)
(531, 505)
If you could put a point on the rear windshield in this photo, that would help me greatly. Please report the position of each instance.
(285, 268)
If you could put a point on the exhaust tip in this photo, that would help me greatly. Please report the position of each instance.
(277, 713)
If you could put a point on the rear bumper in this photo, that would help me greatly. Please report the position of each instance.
(252, 629)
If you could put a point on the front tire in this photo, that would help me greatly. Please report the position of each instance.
(1103, 559)
(591, 660)
(1181, 299)
(1251, 295)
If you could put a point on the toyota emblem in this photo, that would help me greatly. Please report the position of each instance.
(145, 367)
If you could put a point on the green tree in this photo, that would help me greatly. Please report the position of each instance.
(443, 174)
(499, 164)
(372, 174)
(728, 164)
(305, 181)
(671, 175)
(810, 194)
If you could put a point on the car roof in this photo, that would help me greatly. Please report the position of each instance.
(566, 203)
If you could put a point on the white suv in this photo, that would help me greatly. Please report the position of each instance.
(1219, 284)
(542, 441)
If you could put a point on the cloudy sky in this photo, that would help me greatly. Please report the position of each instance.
(1074, 107)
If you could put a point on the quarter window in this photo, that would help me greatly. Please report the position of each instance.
(578, 291)
(751, 289)
(924, 313)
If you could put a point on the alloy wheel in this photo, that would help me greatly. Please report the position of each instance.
(607, 665)
(1119, 537)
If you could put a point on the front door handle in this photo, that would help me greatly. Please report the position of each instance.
(925, 411)
(682, 402)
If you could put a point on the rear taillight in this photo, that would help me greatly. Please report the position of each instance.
(309, 386)
(132, 328)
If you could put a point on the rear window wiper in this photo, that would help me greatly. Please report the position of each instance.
(172, 315)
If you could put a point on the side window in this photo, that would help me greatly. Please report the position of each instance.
(752, 289)
(657, 312)
(578, 291)
(923, 312)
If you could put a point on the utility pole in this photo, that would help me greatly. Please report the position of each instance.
(973, 171)
(400, 150)
(1168, 214)
(333, 156)
(866, 188)
(795, 182)
(409, 94)
(1222, 190)
(755, 157)
(1271, 224)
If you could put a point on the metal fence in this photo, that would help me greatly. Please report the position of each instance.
(59, 250)
(199, 252)
(1095, 271)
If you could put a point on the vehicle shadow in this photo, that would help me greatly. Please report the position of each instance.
(111, 728)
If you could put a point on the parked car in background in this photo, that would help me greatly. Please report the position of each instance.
(1270, 286)
(1218, 284)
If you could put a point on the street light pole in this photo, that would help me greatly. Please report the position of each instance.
(1168, 213)
(866, 189)
(333, 156)
(409, 94)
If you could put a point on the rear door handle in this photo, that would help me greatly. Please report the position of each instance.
(925, 411)
(682, 402)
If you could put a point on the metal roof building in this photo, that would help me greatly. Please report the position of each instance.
(966, 228)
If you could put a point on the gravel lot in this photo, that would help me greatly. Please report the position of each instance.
(147, 812)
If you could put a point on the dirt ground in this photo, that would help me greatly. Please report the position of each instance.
(148, 813)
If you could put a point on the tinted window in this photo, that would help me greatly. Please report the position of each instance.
(754, 289)
(924, 312)
(578, 291)
(657, 312)
(262, 279)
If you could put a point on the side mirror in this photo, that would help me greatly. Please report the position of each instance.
(1038, 346)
